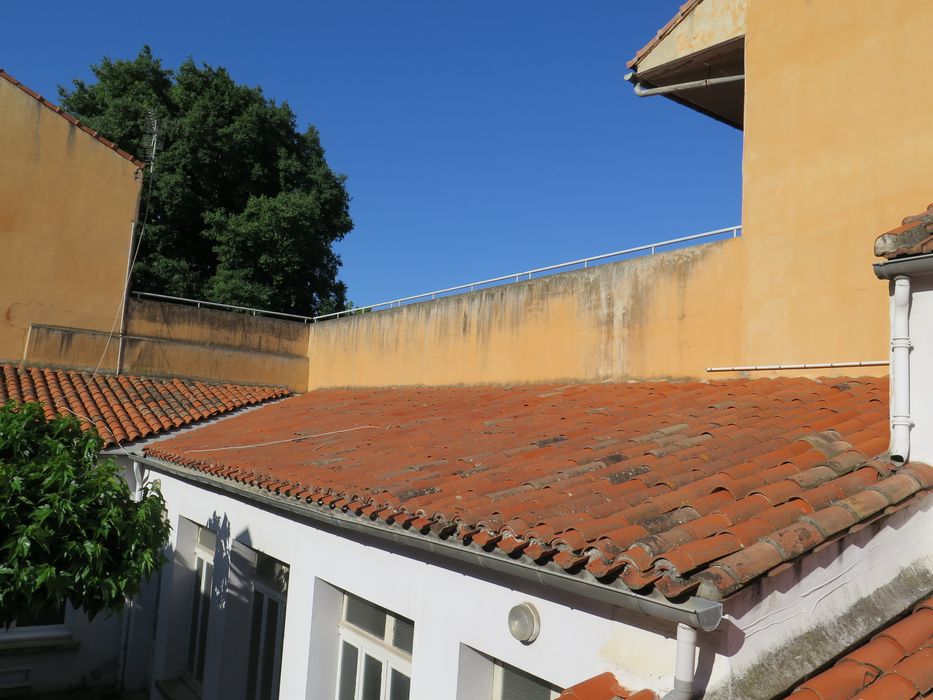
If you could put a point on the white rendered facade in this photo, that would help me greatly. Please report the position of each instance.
(460, 612)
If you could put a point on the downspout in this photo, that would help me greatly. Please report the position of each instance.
(684, 663)
(900, 371)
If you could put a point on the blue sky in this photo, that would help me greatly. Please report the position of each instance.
(478, 138)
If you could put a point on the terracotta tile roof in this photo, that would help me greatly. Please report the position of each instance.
(126, 408)
(671, 25)
(604, 687)
(913, 237)
(897, 664)
(74, 120)
(686, 487)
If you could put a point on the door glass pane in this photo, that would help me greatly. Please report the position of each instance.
(196, 599)
(268, 649)
(255, 628)
(349, 657)
(205, 608)
(518, 685)
(400, 686)
(366, 616)
(404, 634)
(372, 678)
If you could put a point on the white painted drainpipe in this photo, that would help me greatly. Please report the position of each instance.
(900, 371)
(684, 663)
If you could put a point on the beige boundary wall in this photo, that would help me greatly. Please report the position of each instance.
(665, 315)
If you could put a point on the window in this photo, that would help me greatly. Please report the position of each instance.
(510, 683)
(200, 603)
(266, 628)
(49, 622)
(375, 653)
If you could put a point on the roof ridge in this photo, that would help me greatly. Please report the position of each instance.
(73, 120)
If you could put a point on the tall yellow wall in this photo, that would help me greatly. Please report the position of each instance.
(668, 315)
(67, 203)
(838, 148)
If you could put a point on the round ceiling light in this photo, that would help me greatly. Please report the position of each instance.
(524, 623)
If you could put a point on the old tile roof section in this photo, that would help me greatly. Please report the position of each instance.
(604, 687)
(897, 664)
(671, 25)
(687, 487)
(913, 237)
(127, 408)
(74, 120)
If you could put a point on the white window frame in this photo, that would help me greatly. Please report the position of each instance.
(62, 629)
(280, 597)
(367, 644)
(206, 555)
(498, 677)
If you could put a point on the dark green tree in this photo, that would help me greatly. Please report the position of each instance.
(68, 527)
(244, 208)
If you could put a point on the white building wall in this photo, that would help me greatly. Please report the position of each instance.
(461, 616)
(451, 610)
(921, 368)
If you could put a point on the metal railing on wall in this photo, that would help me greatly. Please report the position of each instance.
(650, 249)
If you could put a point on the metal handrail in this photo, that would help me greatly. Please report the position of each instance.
(735, 232)
(215, 305)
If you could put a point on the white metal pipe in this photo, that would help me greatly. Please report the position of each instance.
(684, 664)
(900, 371)
(643, 91)
(809, 365)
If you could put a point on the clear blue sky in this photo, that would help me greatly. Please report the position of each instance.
(478, 138)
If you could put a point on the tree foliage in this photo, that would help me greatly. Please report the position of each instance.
(68, 527)
(244, 208)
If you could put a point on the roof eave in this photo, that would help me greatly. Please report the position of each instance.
(697, 612)
(914, 265)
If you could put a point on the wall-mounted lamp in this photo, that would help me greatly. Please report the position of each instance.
(524, 623)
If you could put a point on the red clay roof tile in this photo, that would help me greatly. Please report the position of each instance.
(913, 237)
(673, 485)
(897, 664)
(123, 409)
(604, 687)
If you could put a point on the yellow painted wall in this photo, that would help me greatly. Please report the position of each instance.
(668, 315)
(838, 148)
(67, 203)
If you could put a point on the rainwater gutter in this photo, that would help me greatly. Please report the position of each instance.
(646, 90)
(695, 612)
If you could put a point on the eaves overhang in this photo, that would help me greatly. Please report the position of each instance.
(705, 40)
(695, 611)
(914, 265)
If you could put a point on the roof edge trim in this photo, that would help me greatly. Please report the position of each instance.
(697, 612)
(914, 265)
(671, 25)
(74, 121)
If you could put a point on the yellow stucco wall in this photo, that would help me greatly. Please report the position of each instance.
(667, 315)
(838, 148)
(67, 203)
